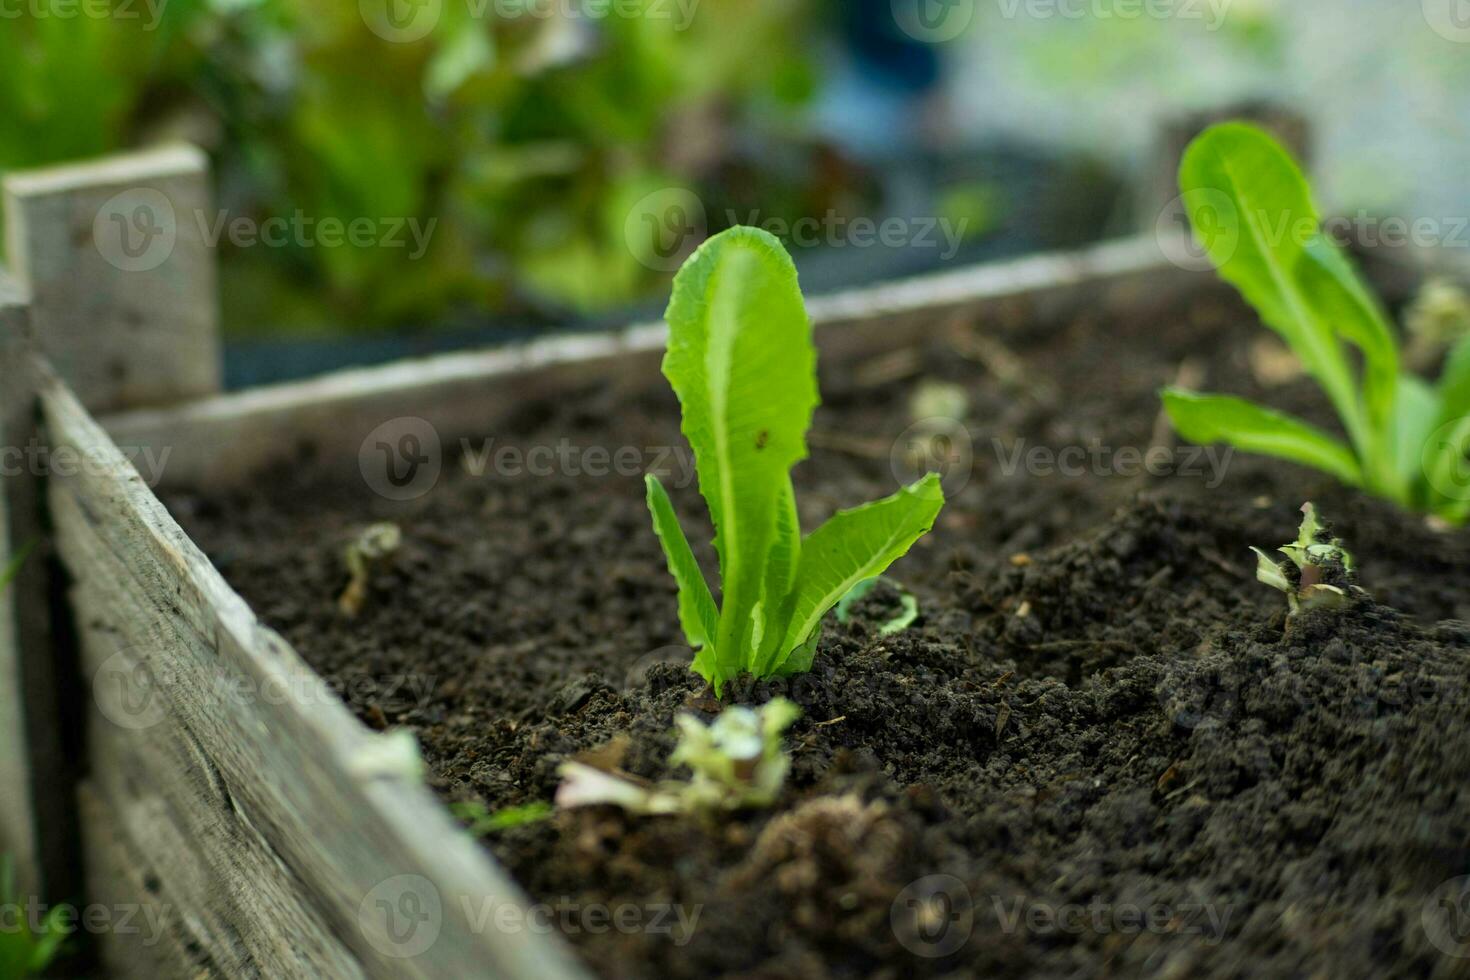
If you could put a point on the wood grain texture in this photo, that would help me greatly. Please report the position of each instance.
(256, 800)
(467, 393)
(121, 277)
(118, 878)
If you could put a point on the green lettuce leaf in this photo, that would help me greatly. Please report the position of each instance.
(741, 360)
(1204, 419)
(854, 545)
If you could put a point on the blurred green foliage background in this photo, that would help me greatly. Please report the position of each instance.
(526, 139)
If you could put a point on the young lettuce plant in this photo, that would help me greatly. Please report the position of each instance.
(737, 762)
(1253, 213)
(1318, 573)
(741, 360)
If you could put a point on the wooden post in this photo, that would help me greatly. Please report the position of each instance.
(114, 283)
(121, 276)
(34, 769)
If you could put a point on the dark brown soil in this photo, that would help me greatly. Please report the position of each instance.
(1100, 752)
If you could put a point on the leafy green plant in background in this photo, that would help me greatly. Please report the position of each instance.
(741, 360)
(1253, 213)
(25, 952)
(525, 140)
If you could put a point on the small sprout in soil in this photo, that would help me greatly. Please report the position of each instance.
(1253, 214)
(741, 360)
(908, 606)
(1319, 571)
(26, 951)
(737, 763)
(481, 821)
(369, 552)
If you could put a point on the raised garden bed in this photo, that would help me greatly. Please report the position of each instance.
(1100, 750)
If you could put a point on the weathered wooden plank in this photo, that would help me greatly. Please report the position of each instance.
(121, 278)
(195, 842)
(462, 394)
(119, 878)
(37, 817)
(374, 852)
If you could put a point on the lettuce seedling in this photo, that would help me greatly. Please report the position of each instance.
(737, 762)
(1318, 572)
(369, 552)
(1253, 213)
(741, 360)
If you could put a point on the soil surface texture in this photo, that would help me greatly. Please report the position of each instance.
(1102, 750)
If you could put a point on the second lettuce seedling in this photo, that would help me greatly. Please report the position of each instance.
(741, 360)
(1253, 212)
